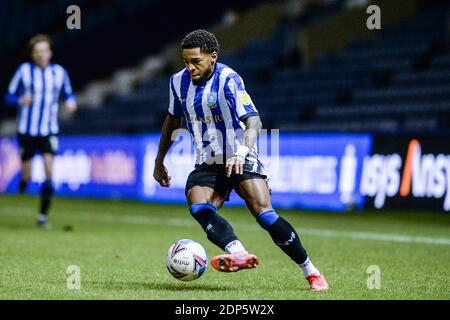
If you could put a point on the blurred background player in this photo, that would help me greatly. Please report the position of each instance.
(35, 89)
(212, 98)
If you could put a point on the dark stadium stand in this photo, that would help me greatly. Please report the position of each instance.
(394, 82)
(398, 81)
(114, 35)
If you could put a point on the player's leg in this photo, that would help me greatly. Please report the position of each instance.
(256, 195)
(47, 189)
(27, 151)
(25, 175)
(48, 147)
(255, 192)
(204, 203)
(206, 191)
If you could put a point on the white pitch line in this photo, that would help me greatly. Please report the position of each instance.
(185, 222)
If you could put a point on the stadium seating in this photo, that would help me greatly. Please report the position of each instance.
(398, 80)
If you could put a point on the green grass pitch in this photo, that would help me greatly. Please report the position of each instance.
(120, 248)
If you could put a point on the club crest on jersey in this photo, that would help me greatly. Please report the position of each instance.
(211, 100)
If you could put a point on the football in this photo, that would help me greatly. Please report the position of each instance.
(186, 260)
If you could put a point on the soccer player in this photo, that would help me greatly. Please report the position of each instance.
(35, 89)
(213, 100)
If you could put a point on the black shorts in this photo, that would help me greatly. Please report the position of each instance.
(30, 145)
(214, 176)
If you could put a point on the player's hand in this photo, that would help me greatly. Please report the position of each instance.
(70, 106)
(26, 100)
(235, 164)
(161, 175)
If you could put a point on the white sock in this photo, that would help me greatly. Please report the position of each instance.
(42, 217)
(235, 246)
(308, 267)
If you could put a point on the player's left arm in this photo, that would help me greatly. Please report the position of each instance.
(253, 125)
(242, 105)
(236, 163)
(70, 102)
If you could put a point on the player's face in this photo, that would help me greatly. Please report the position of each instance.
(41, 54)
(199, 64)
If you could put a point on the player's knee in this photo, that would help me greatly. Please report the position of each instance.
(267, 218)
(49, 175)
(26, 175)
(258, 207)
(217, 203)
(197, 208)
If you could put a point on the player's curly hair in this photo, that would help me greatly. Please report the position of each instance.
(206, 41)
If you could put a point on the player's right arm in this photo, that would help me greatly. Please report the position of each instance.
(171, 123)
(17, 95)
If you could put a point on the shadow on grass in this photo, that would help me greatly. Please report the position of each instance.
(130, 285)
(16, 226)
(33, 227)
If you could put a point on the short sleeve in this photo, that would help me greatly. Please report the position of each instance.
(175, 108)
(238, 99)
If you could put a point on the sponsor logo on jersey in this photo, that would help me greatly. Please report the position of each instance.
(205, 119)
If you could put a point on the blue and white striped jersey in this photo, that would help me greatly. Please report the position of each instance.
(45, 86)
(214, 111)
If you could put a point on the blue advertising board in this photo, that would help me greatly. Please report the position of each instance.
(311, 171)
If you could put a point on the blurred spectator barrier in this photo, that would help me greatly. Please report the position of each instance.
(314, 171)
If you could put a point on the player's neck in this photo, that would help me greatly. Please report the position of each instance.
(208, 77)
